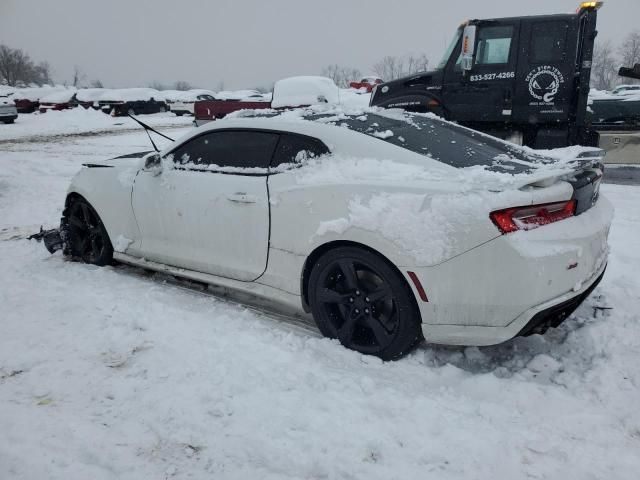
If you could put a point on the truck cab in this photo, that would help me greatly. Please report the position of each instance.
(525, 79)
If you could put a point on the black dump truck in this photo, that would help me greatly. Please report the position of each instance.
(524, 79)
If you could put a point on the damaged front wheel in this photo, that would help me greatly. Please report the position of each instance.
(87, 239)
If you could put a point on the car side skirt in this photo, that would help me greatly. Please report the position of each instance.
(251, 293)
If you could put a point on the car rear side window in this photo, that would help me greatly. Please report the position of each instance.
(294, 149)
(231, 148)
(548, 42)
(494, 45)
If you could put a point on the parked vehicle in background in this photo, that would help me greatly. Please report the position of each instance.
(90, 97)
(626, 90)
(132, 101)
(8, 111)
(366, 84)
(184, 104)
(28, 99)
(58, 101)
(225, 103)
(289, 92)
(523, 79)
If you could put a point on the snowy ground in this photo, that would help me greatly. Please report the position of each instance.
(115, 373)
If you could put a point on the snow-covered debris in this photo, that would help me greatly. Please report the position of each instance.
(304, 90)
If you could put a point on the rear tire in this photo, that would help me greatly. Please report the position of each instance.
(357, 297)
(9, 121)
(86, 237)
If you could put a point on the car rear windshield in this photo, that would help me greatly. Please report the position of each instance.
(442, 141)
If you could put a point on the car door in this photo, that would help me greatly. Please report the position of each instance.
(486, 92)
(208, 208)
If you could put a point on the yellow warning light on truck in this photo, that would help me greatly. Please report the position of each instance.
(586, 5)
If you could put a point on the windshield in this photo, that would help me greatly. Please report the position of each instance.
(449, 50)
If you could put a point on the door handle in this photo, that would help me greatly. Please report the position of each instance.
(241, 197)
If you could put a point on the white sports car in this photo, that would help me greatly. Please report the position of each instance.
(388, 227)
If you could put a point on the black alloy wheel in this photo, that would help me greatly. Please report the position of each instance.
(358, 298)
(87, 238)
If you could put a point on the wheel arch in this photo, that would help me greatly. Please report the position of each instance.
(320, 250)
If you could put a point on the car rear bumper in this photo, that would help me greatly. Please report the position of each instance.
(535, 320)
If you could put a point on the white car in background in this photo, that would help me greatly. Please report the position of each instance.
(8, 111)
(626, 90)
(388, 227)
(183, 103)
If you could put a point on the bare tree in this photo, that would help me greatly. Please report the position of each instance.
(157, 85)
(16, 68)
(42, 73)
(78, 76)
(604, 66)
(630, 51)
(182, 85)
(392, 67)
(96, 84)
(342, 76)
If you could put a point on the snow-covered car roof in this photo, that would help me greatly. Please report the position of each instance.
(253, 95)
(131, 95)
(63, 96)
(34, 94)
(91, 94)
(192, 95)
(304, 90)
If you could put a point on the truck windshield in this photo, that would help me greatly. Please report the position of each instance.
(449, 50)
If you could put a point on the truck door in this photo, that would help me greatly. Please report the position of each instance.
(546, 71)
(484, 94)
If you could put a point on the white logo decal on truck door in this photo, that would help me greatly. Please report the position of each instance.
(544, 83)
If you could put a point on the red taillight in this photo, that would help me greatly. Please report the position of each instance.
(530, 217)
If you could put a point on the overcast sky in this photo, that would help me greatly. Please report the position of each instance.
(250, 43)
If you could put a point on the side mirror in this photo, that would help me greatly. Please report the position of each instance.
(153, 163)
(468, 47)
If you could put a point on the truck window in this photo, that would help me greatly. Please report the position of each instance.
(548, 42)
(494, 45)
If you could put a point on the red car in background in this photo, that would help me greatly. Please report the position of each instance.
(366, 83)
(58, 101)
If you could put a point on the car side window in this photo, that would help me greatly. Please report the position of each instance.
(294, 149)
(494, 45)
(230, 148)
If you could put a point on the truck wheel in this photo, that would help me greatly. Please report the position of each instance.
(357, 297)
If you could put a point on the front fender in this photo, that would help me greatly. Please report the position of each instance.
(108, 190)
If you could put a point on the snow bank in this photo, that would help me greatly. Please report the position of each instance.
(305, 90)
